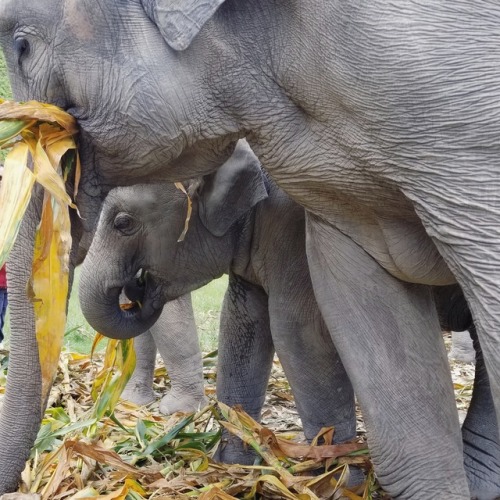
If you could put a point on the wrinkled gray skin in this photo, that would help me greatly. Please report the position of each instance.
(462, 348)
(481, 447)
(379, 117)
(176, 338)
(244, 225)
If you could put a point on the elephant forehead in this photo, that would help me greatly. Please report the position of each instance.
(79, 22)
(144, 198)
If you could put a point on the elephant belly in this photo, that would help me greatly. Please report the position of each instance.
(414, 253)
(400, 245)
(385, 225)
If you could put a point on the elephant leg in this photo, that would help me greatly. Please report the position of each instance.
(139, 389)
(176, 338)
(461, 347)
(305, 348)
(480, 435)
(388, 336)
(467, 235)
(245, 359)
(321, 388)
(480, 429)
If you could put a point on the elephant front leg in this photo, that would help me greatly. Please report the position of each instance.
(388, 336)
(245, 359)
(139, 389)
(176, 338)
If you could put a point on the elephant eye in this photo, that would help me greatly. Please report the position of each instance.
(125, 223)
(22, 48)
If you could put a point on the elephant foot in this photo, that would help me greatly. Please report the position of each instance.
(185, 403)
(356, 477)
(232, 450)
(138, 393)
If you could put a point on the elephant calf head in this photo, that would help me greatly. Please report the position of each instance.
(137, 253)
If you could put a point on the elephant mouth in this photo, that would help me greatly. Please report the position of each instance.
(138, 299)
(130, 309)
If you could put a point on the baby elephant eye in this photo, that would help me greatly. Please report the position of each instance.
(22, 48)
(125, 223)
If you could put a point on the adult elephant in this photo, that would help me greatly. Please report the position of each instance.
(380, 118)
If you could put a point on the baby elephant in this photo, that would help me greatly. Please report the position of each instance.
(243, 225)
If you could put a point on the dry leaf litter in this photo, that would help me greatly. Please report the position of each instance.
(137, 453)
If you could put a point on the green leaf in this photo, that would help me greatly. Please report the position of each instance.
(172, 434)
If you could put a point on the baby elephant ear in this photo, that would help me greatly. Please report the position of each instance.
(179, 21)
(232, 191)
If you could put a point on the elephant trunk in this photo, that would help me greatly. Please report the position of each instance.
(21, 413)
(100, 301)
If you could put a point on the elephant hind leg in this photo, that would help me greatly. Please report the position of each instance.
(176, 338)
(480, 435)
(467, 234)
(388, 336)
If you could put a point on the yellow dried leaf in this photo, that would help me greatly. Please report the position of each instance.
(48, 176)
(181, 187)
(119, 364)
(122, 493)
(284, 491)
(37, 110)
(15, 194)
(88, 492)
(98, 452)
(45, 131)
(62, 457)
(50, 286)
(215, 493)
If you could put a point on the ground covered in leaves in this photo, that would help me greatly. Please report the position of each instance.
(138, 453)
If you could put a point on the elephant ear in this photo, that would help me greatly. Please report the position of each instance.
(232, 191)
(179, 21)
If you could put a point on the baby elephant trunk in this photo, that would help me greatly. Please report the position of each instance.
(118, 311)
